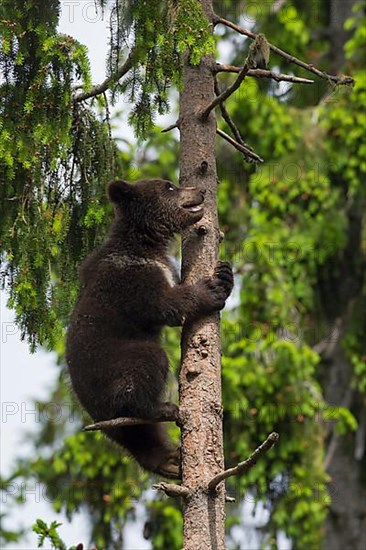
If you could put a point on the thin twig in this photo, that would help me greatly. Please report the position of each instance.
(346, 80)
(247, 464)
(172, 490)
(247, 152)
(106, 84)
(227, 93)
(263, 73)
(125, 421)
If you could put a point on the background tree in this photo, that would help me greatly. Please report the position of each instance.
(305, 284)
(295, 235)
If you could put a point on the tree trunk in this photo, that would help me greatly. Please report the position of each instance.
(200, 377)
(345, 527)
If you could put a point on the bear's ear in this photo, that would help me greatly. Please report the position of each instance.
(119, 190)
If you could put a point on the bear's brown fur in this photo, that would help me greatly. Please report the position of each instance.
(128, 293)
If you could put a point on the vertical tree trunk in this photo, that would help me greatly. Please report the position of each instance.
(200, 378)
(345, 527)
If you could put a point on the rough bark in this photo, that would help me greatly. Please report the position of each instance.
(200, 377)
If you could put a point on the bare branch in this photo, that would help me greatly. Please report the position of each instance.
(172, 490)
(171, 127)
(247, 464)
(227, 93)
(247, 152)
(245, 148)
(345, 80)
(106, 84)
(263, 73)
(125, 421)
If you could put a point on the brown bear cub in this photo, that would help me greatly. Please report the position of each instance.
(129, 291)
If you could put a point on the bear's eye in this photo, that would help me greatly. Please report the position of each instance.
(170, 187)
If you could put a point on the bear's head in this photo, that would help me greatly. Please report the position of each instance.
(156, 208)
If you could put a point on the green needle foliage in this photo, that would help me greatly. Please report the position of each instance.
(48, 533)
(162, 32)
(56, 155)
(54, 159)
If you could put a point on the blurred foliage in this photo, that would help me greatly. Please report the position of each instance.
(8, 536)
(290, 234)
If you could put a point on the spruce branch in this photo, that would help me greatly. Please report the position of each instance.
(341, 80)
(247, 464)
(101, 88)
(262, 73)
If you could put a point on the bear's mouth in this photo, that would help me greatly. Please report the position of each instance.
(193, 206)
(194, 209)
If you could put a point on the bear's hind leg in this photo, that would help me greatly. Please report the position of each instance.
(148, 444)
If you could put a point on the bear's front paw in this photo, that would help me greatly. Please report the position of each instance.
(224, 274)
(215, 290)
